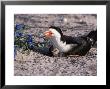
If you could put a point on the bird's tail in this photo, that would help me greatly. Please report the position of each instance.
(92, 37)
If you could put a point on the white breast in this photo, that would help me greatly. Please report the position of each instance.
(62, 46)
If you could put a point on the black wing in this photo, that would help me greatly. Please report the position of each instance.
(72, 40)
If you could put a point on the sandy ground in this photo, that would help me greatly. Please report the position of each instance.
(36, 64)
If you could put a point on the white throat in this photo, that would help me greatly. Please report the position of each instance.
(62, 46)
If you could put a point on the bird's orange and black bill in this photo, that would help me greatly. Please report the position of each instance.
(48, 34)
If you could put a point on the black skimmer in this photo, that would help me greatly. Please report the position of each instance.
(68, 45)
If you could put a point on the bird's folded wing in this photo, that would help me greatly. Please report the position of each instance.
(73, 40)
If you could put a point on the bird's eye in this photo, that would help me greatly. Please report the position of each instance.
(51, 33)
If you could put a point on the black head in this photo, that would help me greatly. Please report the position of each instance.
(57, 29)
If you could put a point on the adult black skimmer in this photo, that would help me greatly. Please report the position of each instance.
(69, 45)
